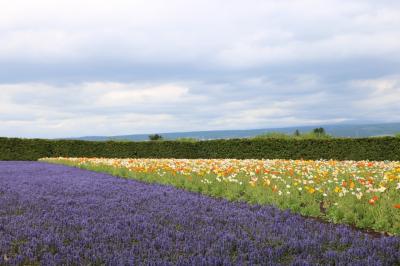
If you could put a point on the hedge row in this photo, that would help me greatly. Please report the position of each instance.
(379, 149)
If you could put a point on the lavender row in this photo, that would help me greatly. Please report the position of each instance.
(53, 214)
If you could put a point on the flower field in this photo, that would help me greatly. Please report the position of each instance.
(364, 194)
(58, 215)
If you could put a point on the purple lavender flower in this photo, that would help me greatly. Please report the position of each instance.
(57, 215)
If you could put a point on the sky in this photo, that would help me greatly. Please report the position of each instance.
(77, 68)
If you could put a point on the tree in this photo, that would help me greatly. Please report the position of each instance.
(297, 133)
(155, 137)
(320, 131)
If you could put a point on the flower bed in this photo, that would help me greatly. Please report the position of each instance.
(361, 193)
(57, 215)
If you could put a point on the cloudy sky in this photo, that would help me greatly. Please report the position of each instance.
(74, 68)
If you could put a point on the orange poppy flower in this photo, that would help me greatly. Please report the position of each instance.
(372, 201)
(397, 206)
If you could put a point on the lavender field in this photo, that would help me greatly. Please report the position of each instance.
(53, 214)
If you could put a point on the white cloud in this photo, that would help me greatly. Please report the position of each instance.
(123, 108)
(115, 108)
(251, 53)
(207, 33)
(32, 109)
(87, 125)
(380, 98)
(158, 94)
(253, 117)
(100, 67)
(40, 45)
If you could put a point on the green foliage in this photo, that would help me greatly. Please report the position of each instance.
(186, 139)
(317, 133)
(382, 217)
(119, 140)
(273, 135)
(397, 135)
(155, 137)
(378, 149)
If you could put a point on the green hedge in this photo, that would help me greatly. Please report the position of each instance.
(379, 149)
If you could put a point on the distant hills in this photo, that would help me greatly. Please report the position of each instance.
(342, 130)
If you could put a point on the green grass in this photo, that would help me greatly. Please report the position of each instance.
(279, 135)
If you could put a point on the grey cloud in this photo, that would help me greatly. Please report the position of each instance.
(244, 64)
(193, 105)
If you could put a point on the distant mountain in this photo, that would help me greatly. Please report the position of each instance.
(342, 130)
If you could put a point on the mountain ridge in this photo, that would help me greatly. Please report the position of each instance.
(338, 130)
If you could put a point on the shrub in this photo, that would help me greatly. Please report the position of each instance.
(187, 139)
(379, 149)
(155, 137)
(276, 135)
(317, 133)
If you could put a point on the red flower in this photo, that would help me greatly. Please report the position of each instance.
(372, 201)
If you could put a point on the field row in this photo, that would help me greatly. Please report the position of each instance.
(57, 215)
(361, 193)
